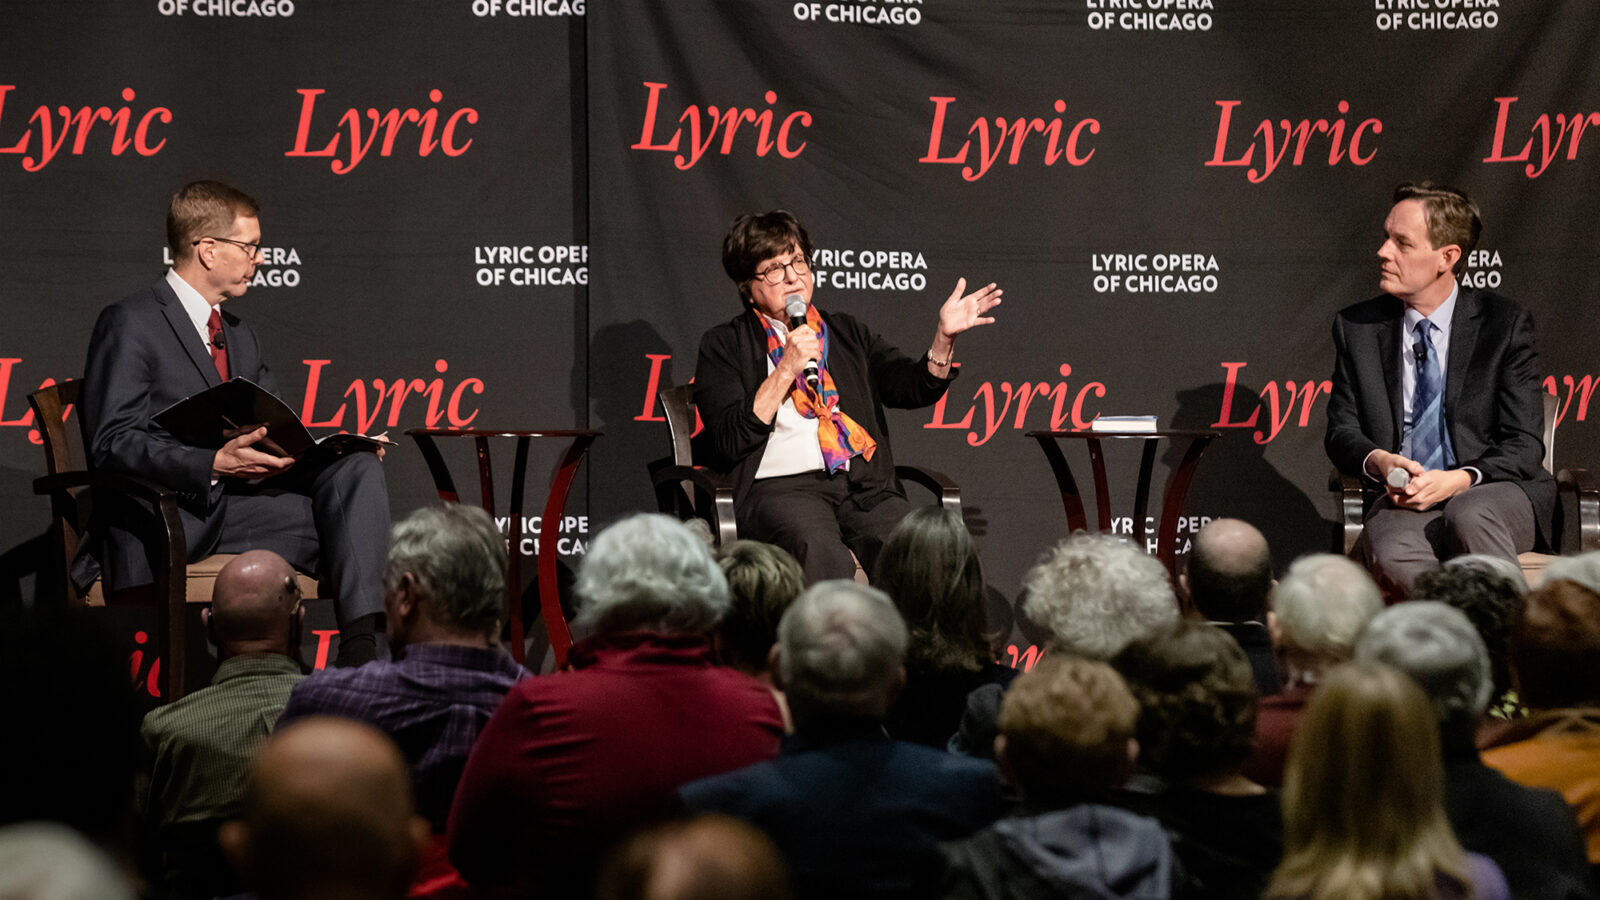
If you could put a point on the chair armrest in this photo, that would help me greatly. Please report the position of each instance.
(1586, 496)
(938, 483)
(132, 485)
(693, 481)
(1350, 502)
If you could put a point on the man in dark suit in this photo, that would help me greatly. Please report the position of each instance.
(171, 340)
(855, 813)
(1228, 581)
(1440, 384)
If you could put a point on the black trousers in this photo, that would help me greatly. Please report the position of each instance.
(816, 517)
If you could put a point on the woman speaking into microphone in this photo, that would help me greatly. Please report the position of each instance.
(792, 398)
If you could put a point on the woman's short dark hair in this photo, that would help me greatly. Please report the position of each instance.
(1197, 699)
(929, 567)
(754, 239)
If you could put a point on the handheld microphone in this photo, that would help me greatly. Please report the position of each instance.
(1398, 478)
(218, 342)
(795, 304)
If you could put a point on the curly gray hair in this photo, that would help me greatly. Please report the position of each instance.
(1097, 592)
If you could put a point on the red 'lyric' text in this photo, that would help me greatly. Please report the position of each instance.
(392, 123)
(1274, 141)
(993, 135)
(80, 124)
(704, 126)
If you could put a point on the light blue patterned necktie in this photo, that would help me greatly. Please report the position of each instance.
(1428, 443)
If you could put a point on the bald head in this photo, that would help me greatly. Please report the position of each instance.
(255, 604)
(1230, 571)
(327, 811)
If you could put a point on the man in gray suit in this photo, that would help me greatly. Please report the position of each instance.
(172, 340)
(1436, 398)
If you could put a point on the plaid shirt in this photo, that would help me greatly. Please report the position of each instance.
(433, 703)
(201, 744)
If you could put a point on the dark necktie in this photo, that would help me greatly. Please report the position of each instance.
(219, 349)
(1428, 443)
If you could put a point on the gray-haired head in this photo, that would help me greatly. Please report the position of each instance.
(841, 651)
(1439, 648)
(457, 557)
(1583, 569)
(1097, 592)
(1321, 605)
(648, 572)
(1494, 565)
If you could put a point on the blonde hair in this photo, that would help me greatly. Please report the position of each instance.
(1363, 794)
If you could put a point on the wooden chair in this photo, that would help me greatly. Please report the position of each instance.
(1577, 498)
(688, 491)
(72, 488)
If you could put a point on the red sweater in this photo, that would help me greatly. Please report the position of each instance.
(572, 761)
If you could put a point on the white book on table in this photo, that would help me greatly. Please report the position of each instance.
(1123, 423)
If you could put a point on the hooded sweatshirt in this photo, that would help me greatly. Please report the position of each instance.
(1083, 851)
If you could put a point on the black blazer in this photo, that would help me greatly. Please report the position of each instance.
(1492, 406)
(869, 373)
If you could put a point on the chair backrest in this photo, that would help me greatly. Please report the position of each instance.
(677, 404)
(63, 446)
(1552, 406)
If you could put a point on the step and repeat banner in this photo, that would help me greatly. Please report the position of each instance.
(509, 213)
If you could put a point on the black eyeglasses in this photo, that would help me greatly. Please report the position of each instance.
(774, 275)
(251, 249)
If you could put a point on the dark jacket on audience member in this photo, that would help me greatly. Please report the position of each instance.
(1530, 833)
(855, 813)
(1256, 643)
(1228, 846)
(1085, 851)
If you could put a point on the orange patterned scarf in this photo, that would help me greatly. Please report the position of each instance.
(839, 436)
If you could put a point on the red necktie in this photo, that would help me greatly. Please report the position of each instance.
(219, 350)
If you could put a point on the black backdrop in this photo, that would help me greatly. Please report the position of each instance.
(516, 208)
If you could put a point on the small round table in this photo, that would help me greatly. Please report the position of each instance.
(1193, 443)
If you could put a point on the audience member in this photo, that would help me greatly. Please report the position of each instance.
(1498, 565)
(929, 568)
(71, 748)
(1228, 581)
(1066, 742)
(327, 813)
(710, 857)
(762, 581)
(1318, 611)
(49, 861)
(1094, 593)
(855, 812)
(1363, 795)
(1490, 601)
(1197, 722)
(445, 600)
(1555, 662)
(1530, 834)
(575, 760)
(200, 745)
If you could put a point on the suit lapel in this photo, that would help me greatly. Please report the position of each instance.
(1389, 359)
(183, 329)
(1463, 341)
(241, 352)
